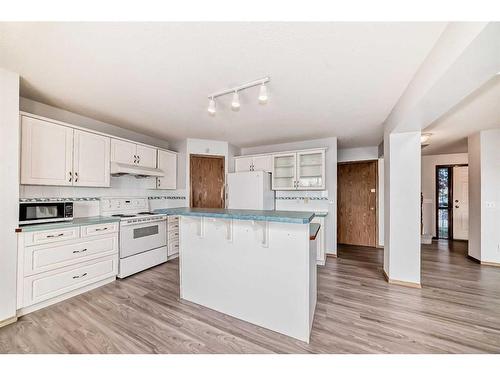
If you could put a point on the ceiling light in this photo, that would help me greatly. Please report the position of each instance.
(211, 106)
(235, 104)
(263, 94)
(424, 138)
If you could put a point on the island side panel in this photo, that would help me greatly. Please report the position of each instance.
(229, 266)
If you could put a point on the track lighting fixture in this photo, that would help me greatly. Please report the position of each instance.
(211, 106)
(235, 103)
(263, 94)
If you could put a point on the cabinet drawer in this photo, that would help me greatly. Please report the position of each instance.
(51, 284)
(47, 257)
(98, 229)
(173, 248)
(173, 219)
(172, 235)
(50, 236)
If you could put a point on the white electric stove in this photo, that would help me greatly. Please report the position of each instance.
(143, 234)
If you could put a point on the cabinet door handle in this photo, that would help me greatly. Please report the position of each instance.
(76, 176)
(78, 276)
(79, 251)
(138, 159)
(159, 182)
(101, 229)
(55, 235)
(135, 159)
(70, 176)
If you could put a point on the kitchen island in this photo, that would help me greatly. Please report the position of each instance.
(258, 266)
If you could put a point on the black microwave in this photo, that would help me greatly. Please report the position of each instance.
(44, 212)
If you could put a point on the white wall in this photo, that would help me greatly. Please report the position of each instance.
(357, 154)
(429, 163)
(484, 239)
(9, 190)
(330, 204)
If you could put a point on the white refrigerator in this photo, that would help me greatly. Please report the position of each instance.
(250, 190)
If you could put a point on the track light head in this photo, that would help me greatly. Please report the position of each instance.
(211, 106)
(235, 103)
(263, 97)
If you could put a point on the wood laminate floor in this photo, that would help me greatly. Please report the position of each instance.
(457, 311)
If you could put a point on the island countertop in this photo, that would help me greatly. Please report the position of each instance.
(293, 217)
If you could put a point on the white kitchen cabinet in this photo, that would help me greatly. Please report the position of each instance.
(311, 170)
(167, 162)
(57, 264)
(91, 157)
(301, 170)
(146, 156)
(123, 151)
(132, 153)
(284, 171)
(173, 236)
(46, 153)
(243, 164)
(263, 163)
(254, 163)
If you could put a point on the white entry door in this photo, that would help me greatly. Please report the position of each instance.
(460, 203)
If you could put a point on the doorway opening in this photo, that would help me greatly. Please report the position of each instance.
(207, 181)
(357, 203)
(452, 202)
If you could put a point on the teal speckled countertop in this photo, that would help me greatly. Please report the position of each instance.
(67, 224)
(293, 217)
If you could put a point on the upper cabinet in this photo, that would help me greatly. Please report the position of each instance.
(146, 156)
(311, 170)
(91, 159)
(132, 153)
(53, 154)
(123, 151)
(254, 163)
(302, 170)
(285, 171)
(167, 162)
(46, 153)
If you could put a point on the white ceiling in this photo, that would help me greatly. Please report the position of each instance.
(478, 111)
(327, 79)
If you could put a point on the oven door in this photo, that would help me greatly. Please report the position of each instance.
(138, 238)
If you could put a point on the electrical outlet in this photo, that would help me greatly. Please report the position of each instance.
(490, 205)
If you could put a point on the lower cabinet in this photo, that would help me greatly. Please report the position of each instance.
(173, 236)
(58, 267)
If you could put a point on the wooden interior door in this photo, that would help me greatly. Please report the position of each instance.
(357, 203)
(207, 181)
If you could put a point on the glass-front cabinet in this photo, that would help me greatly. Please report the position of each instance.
(311, 170)
(301, 170)
(284, 171)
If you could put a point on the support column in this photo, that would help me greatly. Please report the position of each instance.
(402, 176)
